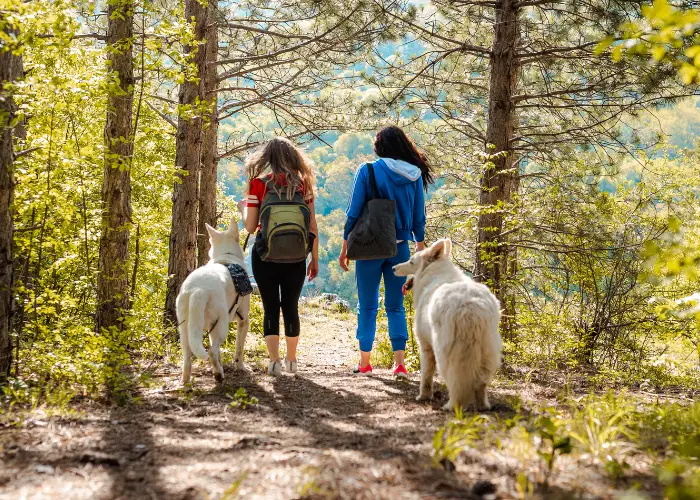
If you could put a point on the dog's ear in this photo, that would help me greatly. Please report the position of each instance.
(233, 227)
(435, 251)
(212, 232)
(448, 247)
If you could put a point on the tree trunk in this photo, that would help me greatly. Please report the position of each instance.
(188, 145)
(8, 67)
(210, 158)
(498, 182)
(113, 272)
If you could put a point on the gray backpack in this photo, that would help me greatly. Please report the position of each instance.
(374, 234)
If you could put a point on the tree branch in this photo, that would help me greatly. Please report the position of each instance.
(261, 30)
(162, 115)
(292, 48)
(25, 152)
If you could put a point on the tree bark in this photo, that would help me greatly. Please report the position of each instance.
(113, 272)
(210, 158)
(8, 65)
(188, 145)
(498, 181)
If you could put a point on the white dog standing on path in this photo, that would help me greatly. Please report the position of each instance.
(208, 299)
(456, 324)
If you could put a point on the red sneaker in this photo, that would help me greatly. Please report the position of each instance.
(367, 370)
(400, 372)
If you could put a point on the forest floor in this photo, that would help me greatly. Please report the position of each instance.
(321, 433)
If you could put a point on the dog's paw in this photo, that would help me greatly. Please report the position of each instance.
(241, 367)
(424, 397)
(219, 378)
(448, 407)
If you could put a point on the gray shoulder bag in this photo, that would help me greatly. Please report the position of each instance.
(374, 234)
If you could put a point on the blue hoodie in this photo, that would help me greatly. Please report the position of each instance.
(396, 180)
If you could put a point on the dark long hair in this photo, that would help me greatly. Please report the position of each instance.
(392, 142)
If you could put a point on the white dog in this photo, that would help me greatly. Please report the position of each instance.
(456, 325)
(208, 299)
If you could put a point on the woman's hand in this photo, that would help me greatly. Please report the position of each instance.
(343, 259)
(242, 205)
(312, 270)
(420, 245)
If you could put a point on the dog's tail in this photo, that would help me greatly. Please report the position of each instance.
(473, 353)
(195, 323)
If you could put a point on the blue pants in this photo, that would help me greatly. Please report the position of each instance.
(368, 274)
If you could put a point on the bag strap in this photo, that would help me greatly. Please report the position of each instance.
(372, 181)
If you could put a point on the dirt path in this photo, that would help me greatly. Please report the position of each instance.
(321, 433)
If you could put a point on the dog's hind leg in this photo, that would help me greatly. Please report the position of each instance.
(241, 333)
(482, 398)
(427, 372)
(186, 354)
(182, 311)
(217, 337)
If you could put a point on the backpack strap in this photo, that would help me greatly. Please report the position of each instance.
(271, 183)
(372, 181)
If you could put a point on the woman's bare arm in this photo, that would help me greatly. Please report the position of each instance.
(250, 216)
(312, 271)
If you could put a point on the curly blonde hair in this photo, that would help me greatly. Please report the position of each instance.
(282, 158)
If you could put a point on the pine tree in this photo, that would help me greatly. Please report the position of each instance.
(10, 64)
(210, 153)
(191, 108)
(113, 265)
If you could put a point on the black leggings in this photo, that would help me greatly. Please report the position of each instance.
(280, 286)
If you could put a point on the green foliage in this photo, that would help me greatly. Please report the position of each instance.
(57, 214)
(671, 426)
(597, 431)
(602, 429)
(241, 400)
(256, 316)
(590, 301)
(553, 442)
(665, 34)
(412, 353)
(673, 430)
(681, 479)
(524, 487)
(459, 433)
(383, 353)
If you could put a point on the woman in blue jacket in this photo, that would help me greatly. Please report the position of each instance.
(402, 174)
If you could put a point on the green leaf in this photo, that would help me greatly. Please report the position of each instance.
(563, 445)
(674, 224)
(658, 52)
(603, 45)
